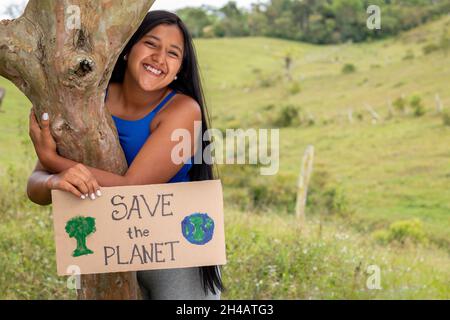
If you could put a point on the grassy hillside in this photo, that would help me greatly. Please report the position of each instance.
(367, 176)
(399, 168)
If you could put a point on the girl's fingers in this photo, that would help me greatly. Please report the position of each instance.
(34, 126)
(97, 187)
(79, 180)
(94, 186)
(92, 191)
(45, 124)
(65, 186)
(80, 184)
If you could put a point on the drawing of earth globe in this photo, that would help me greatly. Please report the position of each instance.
(198, 228)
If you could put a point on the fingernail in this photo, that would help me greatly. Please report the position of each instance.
(99, 193)
(86, 195)
(83, 197)
(93, 196)
(45, 116)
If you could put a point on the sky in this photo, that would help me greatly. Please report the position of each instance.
(169, 5)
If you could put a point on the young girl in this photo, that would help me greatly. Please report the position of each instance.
(155, 89)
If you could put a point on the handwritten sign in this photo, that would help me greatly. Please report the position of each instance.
(136, 228)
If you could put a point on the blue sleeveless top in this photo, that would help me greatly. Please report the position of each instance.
(134, 133)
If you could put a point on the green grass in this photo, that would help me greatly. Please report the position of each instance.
(398, 169)
(326, 261)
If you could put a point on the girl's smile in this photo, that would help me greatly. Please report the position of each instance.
(154, 71)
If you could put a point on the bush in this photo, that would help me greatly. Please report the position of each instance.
(402, 232)
(417, 106)
(268, 107)
(430, 48)
(295, 88)
(274, 192)
(267, 81)
(398, 84)
(400, 104)
(248, 190)
(359, 115)
(409, 55)
(446, 118)
(311, 121)
(348, 68)
(237, 197)
(288, 116)
(407, 229)
(326, 197)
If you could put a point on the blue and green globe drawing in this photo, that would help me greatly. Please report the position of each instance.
(198, 228)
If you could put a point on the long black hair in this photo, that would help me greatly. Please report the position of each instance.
(189, 83)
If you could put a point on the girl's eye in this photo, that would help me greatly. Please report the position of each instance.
(150, 43)
(173, 54)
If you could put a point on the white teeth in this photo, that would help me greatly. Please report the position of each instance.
(153, 70)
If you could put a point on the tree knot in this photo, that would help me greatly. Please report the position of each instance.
(84, 67)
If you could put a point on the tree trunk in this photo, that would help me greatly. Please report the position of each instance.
(61, 56)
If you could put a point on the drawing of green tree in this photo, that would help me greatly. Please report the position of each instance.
(79, 228)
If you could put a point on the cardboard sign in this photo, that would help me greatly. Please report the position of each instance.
(135, 228)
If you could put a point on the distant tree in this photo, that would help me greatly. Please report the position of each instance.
(196, 19)
(257, 20)
(315, 21)
(234, 21)
(350, 19)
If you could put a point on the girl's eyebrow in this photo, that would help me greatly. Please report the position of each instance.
(158, 39)
(152, 36)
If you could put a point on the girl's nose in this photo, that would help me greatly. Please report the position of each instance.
(158, 57)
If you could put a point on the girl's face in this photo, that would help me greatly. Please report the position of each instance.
(155, 60)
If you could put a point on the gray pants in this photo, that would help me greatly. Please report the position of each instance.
(173, 284)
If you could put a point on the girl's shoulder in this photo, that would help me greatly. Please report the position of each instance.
(181, 106)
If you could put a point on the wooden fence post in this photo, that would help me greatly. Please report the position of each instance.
(375, 116)
(390, 109)
(439, 105)
(2, 95)
(303, 182)
(350, 115)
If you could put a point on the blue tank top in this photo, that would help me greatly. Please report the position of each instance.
(134, 133)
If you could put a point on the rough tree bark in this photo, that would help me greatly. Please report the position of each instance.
(65, 71)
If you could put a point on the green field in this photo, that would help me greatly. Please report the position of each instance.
(375, 174)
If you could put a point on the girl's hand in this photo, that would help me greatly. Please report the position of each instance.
(77, 180)
(42, 139)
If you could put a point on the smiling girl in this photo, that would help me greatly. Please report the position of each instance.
(155, 89)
